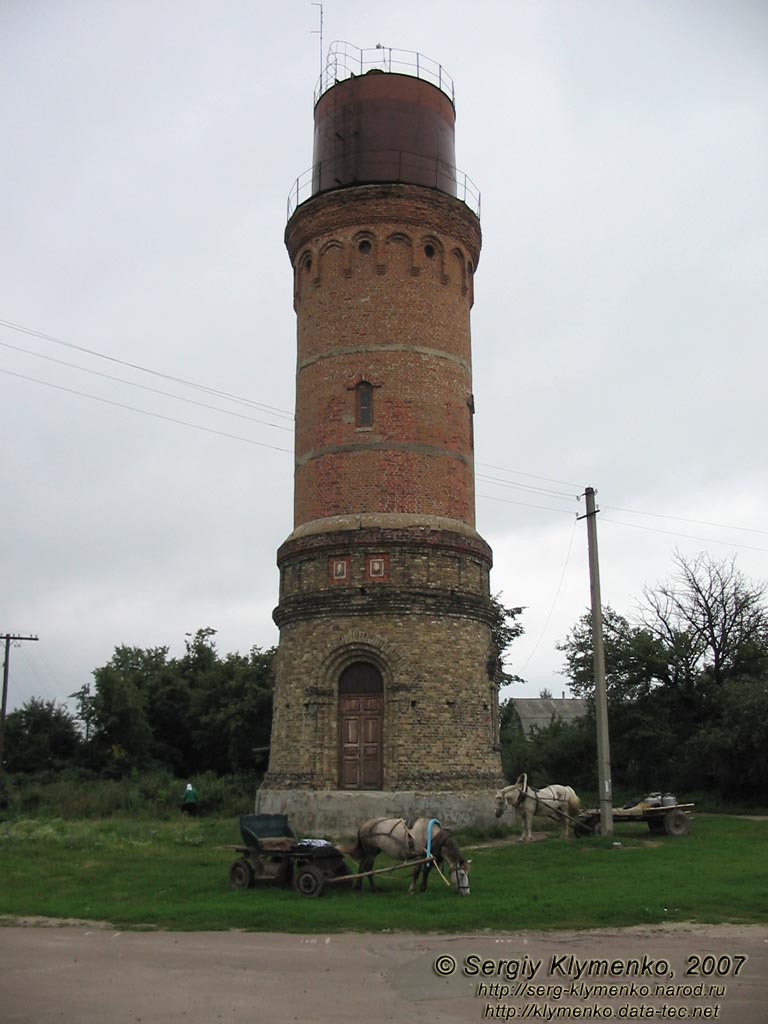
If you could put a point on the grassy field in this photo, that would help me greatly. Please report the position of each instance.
(174, 875)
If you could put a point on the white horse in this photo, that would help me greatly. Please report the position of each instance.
(558, 802)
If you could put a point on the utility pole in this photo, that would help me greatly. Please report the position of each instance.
(601, 698)
(7, 637)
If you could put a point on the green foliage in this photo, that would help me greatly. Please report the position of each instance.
(197, 713)
(83, 793)
(40, 735)
(729, 753)
(683, 712)
(561, 752)
(505, 630)
(635, 660)
(704, 626)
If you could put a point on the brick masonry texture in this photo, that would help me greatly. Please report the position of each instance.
(383, 287)
(372, 305)
(439, 707)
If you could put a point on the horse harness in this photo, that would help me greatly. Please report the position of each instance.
(532, 794)
(410, 838)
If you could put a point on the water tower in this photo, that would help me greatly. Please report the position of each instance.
(386, 698)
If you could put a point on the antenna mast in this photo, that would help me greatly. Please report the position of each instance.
(320, 33)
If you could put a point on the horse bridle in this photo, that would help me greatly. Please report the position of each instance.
(461, 887)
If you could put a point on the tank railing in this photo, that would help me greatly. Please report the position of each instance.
(347, 61)
(391, 167)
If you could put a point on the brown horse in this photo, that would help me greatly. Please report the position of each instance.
(393, 837)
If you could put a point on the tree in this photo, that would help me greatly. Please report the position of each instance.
(561, 751)
(190, 714)
(233, 711)
(707, 624)
(687, 681)
(505, 630)
(635, 660)
(41, 735)
(121, 736)
(729, 753)
(711, 620)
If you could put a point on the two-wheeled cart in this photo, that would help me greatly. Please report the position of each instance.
(271, 852)
(663, 817)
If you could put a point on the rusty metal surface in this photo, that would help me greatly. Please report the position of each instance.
(384, 127)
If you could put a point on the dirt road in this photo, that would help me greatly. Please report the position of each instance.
(87, 974)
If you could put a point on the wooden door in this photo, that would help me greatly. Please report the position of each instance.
(360, 748)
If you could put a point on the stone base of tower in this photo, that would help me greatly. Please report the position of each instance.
(386, 671)
(337, 814)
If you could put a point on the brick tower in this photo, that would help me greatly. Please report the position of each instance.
(386, 694)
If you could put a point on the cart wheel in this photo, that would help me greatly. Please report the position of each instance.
(241, 875)
(581, 830)
(308, 880)
(656, 826)
(597, 828)
(677, 823)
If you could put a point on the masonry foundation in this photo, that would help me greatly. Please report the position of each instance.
(337, 814)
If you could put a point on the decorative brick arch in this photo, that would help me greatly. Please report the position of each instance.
(360, 715)
(358, 645)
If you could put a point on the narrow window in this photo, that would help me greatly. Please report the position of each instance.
(364, 397)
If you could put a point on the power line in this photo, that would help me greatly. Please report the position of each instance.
(681, 519)
(43, 687)
(281, 412)
(524, 504)
(145, 412)
(554, 600)
(688, 536)
(532, 476)
(144, 387)
(144, 369)
(527, 487)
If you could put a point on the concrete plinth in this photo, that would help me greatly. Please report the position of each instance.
(336, 814)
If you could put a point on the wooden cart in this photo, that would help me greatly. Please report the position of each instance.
(272, 853)
(664, 819)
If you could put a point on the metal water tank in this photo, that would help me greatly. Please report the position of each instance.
(384, 127)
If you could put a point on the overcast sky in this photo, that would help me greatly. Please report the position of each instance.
(619, 328)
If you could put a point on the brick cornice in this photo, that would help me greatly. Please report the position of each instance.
(365, 601)
(412, 205)
(373, 537)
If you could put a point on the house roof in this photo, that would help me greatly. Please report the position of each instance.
(539, 712)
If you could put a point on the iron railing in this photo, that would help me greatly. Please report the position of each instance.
(391, 167)
(345, 61)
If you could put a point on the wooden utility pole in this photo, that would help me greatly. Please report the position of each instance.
(7, 637)
(601, 698)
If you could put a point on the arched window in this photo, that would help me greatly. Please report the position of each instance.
(364, 404)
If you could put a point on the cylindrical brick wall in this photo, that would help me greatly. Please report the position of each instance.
(384, 568)
(383, 290)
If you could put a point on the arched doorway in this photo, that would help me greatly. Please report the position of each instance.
(361, 715)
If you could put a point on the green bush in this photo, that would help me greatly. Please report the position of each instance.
(77, 793)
